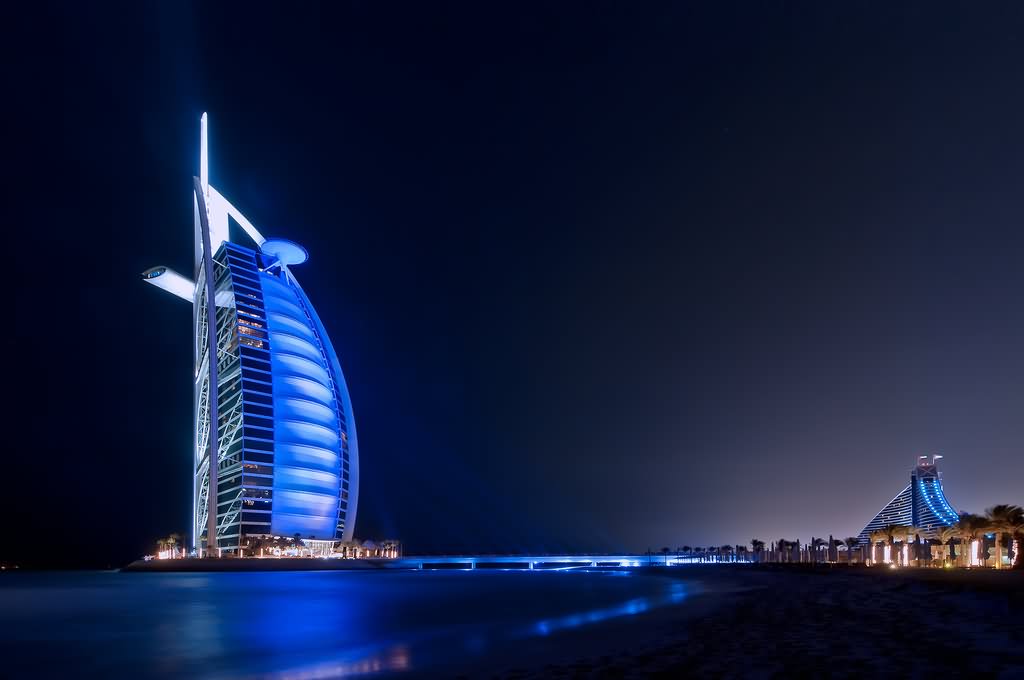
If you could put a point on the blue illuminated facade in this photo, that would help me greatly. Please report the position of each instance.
(922, 504)
(287, 457)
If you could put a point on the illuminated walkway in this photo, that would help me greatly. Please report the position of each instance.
(453, 562)
(539, 561)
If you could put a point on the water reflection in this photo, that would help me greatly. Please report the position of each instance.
(393, 660)
(300, 625)
(676, 594)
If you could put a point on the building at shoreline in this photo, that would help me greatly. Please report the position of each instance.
(271, 406)
(922, 504)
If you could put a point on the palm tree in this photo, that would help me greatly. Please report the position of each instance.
(174, 542)
(945, 536)
(878, 536)
(889, 532)
(1017, 532)
(817, 544)
(895, 530)
(833, 544)
(758, 547)
(1000, 520)
(688, 551)
(905, 535)
(665, 551)
(969, 528)
(785, 550)
(346, 548)
(851, 542)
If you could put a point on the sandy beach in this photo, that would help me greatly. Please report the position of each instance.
(763, 621)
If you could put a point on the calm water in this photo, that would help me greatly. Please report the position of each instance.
(302, 624)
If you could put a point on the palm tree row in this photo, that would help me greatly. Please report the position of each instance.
(169, 545)
(714, 553)
(962, 537)
(966, 532)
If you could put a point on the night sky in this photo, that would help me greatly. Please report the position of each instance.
(600, 277)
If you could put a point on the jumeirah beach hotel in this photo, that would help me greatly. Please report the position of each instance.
(275, 450)
(922, 504)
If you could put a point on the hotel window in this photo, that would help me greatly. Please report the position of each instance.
(227, 484)
(258, 444)
(257, 433)
(250, 322)
(258, 398)
(265, 411)
(258, 529)
(255, 387)
(255, 365)
(251, 314)
(251, 332)
(258, 421)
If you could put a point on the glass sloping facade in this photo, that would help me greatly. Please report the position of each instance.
(922, 504)
(285, 467)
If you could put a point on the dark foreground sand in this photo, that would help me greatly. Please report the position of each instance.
(761, 621)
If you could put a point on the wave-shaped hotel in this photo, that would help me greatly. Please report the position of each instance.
(267, 376)
(922, 503)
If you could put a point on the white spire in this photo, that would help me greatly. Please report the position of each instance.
(204, 158)
(219, 208)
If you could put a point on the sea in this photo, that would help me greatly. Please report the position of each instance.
(313, 625)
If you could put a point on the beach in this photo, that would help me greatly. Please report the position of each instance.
(774, 621)
(711, 620)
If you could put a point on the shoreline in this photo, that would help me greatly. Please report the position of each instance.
(255, 564)
(456, 562)
(721, 620)
(783, 620)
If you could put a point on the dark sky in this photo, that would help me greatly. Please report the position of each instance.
(601, 276)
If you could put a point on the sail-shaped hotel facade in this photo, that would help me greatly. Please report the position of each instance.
(269, 395)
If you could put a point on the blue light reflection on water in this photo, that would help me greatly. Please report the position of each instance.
(676, 594)
(300, 625)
